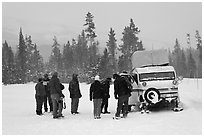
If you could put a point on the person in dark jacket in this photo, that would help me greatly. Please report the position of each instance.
(75, 94)
(122, 93)
(48, 96)
(39, 96)
(56, 95)
(106, 86)
(96, 94)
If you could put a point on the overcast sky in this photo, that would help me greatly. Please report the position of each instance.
(160, 23)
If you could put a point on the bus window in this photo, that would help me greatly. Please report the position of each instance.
(135, 78)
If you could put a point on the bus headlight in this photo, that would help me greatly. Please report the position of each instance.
(144, 84)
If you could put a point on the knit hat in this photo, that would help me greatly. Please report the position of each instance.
(115, 76)
(40, 79)
(97, 77)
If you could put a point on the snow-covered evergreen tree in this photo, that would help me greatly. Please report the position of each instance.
(104, 69)
(93, 57)
(21, 60)
(183, 64)
(199, 50)
(176, 57)
(191, 66)
(55, 61)
(112, 46)
(30, 72)
(130, 45)
(90, 27)
(8, 66)
(67, 58)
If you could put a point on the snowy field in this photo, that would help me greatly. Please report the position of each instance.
(19, 118)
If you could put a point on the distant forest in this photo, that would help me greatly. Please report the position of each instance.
(81, 56)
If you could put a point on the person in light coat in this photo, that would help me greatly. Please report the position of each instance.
(96, 94)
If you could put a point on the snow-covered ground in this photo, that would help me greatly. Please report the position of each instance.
(19, 118)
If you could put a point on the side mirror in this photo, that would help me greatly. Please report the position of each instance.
(180, 78)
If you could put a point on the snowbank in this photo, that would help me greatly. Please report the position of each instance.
(18, 115)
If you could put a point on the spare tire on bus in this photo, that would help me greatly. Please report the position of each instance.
(152, 96)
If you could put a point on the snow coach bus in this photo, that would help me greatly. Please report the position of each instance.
(153, 81)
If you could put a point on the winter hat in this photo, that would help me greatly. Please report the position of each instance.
(97, 77)
(115, 76)
(40, 79)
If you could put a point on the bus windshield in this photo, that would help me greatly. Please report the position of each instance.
(156, 76)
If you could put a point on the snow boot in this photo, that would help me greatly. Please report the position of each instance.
(56, 117)
(147, 111)
(46, 109)
(116, 118)
(177, 109)
(61, 116)
(106, 112)
(39, 112)
(142, 112)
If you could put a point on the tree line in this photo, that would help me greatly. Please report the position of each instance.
(81, 55)
(188, 61)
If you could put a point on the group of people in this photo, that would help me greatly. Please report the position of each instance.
(50, 90)
(99, 93)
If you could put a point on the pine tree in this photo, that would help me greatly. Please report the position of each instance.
(90, 33)
(79, 52)
(122, 63)
(82, 56)
(55, 60)
(37, 64)
(140, 45)
(104, 70)
(199, 44)
(199, 50)
(176, 57)
(112, 46)
(130, 45)
(67, 59)
(183, 64)
(21, 60)
(191, 66)
(7, 64)
(75, 54)
(84, 49)
(30, 51)
(92, 44)
(93, 56)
